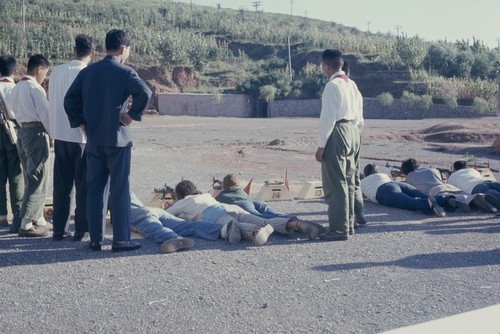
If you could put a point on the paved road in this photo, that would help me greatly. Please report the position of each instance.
(402, 269)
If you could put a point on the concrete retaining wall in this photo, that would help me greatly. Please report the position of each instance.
(230, 105)
(237, 105)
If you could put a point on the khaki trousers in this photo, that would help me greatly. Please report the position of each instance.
(338, 171)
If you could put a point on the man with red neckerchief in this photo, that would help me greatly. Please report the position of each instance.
(338, 142)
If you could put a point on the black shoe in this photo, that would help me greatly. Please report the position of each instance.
(61, 236)
(334, 236)
(458, 205)
(360, 220)
(493, 200)
(95, 246)
(124, 246)
(433, 205)
(482, 203)
(351, 230)
(78, 236)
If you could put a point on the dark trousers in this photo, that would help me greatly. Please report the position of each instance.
(488, 187)
(112, 162)
(404, 196)
(70, 168)
(10, 170)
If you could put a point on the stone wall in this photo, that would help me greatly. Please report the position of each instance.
(372, 110)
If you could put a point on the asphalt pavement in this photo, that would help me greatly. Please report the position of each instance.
(401, 269)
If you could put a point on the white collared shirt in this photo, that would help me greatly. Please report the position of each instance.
(6, 86)
(59, 82)
(341, 99)
(466, 179)
(30, 103)
(370, 184)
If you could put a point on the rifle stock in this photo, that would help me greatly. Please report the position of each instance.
(5, 122)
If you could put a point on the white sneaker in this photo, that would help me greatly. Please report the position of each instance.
(262, 235)
(174, 245)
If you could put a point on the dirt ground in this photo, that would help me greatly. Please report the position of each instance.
(266, 149)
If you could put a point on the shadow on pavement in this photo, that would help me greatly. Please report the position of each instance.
(427, 261)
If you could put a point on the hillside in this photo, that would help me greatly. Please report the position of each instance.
(184, 48)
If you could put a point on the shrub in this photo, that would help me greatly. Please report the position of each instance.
(423, 102)
(480, 105)
(385, 99)
(267, 93)
(451, 102)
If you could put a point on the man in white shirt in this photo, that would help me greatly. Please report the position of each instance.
(29, 101)
(379, 188)
(69, 143)
(10, 165)
(472, 182)
(338, 143)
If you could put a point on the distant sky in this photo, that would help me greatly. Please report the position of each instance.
(430, 19)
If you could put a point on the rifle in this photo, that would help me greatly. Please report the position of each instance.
(5, 122)
(216, 184)
(395, 171)
(166, 191)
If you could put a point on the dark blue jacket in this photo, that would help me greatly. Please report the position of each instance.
(97, 96)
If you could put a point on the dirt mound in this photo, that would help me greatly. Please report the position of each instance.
(185, 77)
(457, 134)
(163, 80)
(441, 128)
(460, 137)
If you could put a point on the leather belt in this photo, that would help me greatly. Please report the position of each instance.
(28, 125)
(343, 121)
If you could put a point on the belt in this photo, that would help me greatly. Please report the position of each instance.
(28, 125)
(344, 120)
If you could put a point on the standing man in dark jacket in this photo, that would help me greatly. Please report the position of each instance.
(94, 102)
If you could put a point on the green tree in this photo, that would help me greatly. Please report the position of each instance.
(440, 57)
(412, 51)
(312, 80)
(482, 66)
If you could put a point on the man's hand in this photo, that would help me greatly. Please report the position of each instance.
(319, 154)
(125, 119)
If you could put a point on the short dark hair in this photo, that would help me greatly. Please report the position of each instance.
(409, 166)
(230, 181)
(7, 65)
(185, 188)
(84, 45)
(370, 169)
(333, 58)
(116, 38)
(459, 164)
(36, 61)
(346, 68)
